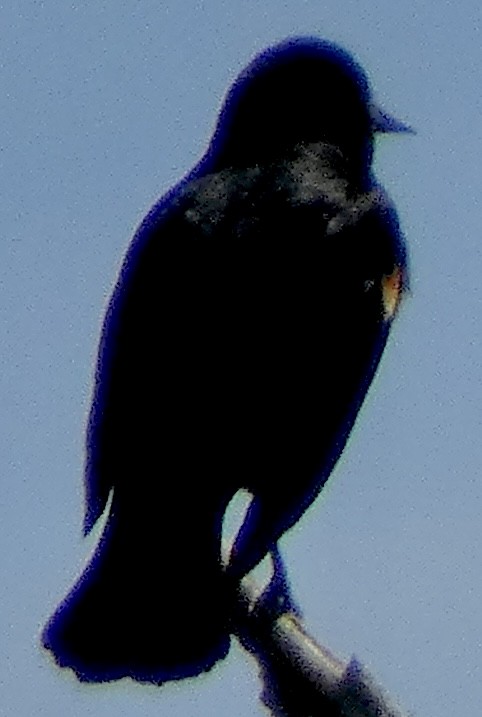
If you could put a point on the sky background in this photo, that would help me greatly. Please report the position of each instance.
(104, 106)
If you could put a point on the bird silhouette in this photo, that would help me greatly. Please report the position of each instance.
(246, 325)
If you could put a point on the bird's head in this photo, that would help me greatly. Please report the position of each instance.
(301, 91)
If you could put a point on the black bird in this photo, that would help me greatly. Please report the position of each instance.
(245, 328)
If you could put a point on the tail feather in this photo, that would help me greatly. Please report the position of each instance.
(135, 613)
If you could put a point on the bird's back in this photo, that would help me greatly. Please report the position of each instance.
(247, 335)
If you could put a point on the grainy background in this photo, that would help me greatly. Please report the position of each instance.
(104, 106)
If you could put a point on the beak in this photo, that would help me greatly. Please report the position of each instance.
(383, 122)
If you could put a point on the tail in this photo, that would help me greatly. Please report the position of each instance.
(150, 606)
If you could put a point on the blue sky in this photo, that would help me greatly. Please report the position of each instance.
(104, 106)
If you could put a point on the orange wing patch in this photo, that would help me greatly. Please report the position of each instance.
(392, 285)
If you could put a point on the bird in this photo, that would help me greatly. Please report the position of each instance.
(243, 332)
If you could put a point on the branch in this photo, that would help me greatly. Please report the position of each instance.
(301, 678)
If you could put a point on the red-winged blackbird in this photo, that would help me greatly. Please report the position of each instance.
(245, 328)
